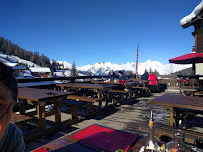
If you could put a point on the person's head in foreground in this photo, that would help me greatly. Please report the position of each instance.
(11, 138)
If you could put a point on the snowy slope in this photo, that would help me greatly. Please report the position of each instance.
(66, 64)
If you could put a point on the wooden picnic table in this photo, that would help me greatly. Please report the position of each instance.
(138, 80)
(175, 102)
(97, 87)
(18, 119)
(39, 98)
(63, 144)
(66, 143)
(189, 90)
(128, 84)
(117, 86)
(143, 82)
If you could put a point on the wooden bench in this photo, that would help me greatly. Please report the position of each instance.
(88, 100)
(19, 119)
(164, 130)
(114, 93)
(73, 107)
(138, 87)
(82, 98)
(141, 90)
(188, 90)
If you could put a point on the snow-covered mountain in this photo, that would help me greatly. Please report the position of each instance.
(66, 64)
(105, 67)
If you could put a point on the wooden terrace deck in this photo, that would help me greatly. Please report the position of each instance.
(125, 117)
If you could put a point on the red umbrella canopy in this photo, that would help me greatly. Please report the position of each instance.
(188, 58)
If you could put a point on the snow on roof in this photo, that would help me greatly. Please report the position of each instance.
(41, 70)
(188, 20)
(15, 66)
(11, 64)
(20, 67)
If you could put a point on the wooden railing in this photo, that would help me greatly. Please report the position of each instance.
(56, 78)
(170, 83)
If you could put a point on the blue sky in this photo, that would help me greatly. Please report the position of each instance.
(90, 31)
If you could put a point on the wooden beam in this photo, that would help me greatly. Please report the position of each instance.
(49, 113)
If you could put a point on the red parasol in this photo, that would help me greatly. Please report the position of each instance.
(190, 58)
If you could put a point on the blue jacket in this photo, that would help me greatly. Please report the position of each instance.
(113, 77)
(122, 78)
(12, 140)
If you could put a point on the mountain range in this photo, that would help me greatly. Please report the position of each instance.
(103, 68)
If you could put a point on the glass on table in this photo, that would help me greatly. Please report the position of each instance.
(178, 144)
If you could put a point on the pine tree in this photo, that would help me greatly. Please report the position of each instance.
(73, 70)
(7, 47)
(130, 73)
(156, 72)
(150, 70)
(89, 73)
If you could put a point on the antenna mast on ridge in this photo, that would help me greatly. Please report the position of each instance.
(137, 62)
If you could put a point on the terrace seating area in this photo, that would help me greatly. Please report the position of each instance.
(49, 115)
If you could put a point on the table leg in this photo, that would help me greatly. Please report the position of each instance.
(22, 106)
(177, 110)
(41, 120)
(99, 98)
(171, 117)
(57, 106)
(74, 111)
(89, 108)
(99, 94)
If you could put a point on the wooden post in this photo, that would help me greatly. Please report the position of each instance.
(57, 106)
(22, 106)
(74, 112)
(171, 117)
(41, 121)
(177, 110)
(99, 94)
(113, 101)
(89, 108)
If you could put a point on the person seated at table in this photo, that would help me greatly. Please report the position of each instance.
(145, 76)
(112, 76)
(11, 138)
(153, 85)
(121, 76)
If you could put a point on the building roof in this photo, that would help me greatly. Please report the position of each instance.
(15, 66)
(40, 70)
(192, 17)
